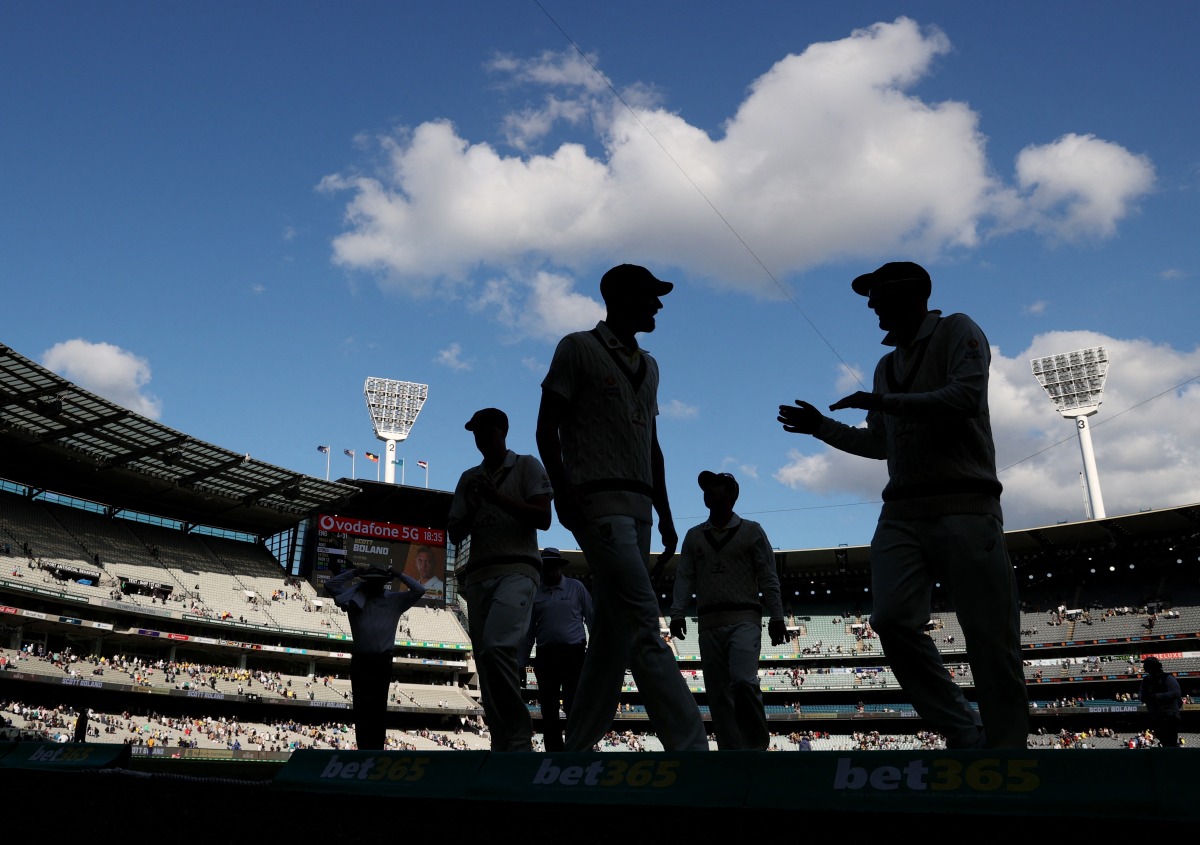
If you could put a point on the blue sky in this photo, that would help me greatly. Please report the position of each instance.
(227, 216)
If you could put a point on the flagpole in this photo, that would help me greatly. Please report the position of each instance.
(327, 451)
(427, 475)
(377, 470)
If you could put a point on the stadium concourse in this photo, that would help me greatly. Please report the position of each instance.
(169, 588)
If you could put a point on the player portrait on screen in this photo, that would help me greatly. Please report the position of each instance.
(427, 565)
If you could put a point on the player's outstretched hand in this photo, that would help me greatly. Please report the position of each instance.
(679, 629)
(801, 418)
(777, 628)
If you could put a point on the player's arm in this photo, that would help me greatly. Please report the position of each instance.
(768, 585)
(336, 584)
(528, 639)
(538, 509)
(407, 598)
(414, 586)
(533, 511)
(462, 512)
(662, 504)
(589, 612)
(682, 596)
(551, 413)
(804, 418)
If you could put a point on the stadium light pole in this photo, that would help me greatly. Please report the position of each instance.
(1074, 381)
(394, 406)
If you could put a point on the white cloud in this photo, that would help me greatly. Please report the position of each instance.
(523, 128)
(258, 288)
(829, 472)
(833, 129)
(849, 378)
(677, 410)
(533, 364)
(567, 69)
(451, 357)
(1146, 458)
(1172, 273)
(499, 298)
(1038, 308)
(587, 103)
(740, 471)
(543, 306)
(106, 370)
(1080, 186)
(553, 309)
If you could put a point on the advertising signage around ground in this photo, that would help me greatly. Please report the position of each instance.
(417, 551)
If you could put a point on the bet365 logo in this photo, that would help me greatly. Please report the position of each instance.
(987, 775)
(59, 755)
(377, 768)
(643, 773)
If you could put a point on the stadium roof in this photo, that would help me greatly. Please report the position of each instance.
(1068, 543)
(56, 436)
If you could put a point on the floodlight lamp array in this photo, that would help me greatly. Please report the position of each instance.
(1074, 381)
(394, 406)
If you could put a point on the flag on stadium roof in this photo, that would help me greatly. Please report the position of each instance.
(372, 457)
(398, 461)
(349, 453)
(423, 464)
(324, 449)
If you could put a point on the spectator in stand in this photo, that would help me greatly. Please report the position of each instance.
(374, 612)
(1161, 694)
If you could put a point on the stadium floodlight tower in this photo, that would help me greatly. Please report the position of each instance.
(1074, 381)
(394, 406)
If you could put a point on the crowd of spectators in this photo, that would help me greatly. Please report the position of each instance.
(159, 730)
(173, 733)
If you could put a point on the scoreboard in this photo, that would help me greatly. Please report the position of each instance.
(417, 551)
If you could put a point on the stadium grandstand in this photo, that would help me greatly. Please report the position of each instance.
(168, 590)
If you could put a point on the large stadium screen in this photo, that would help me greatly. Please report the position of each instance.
(417, 551)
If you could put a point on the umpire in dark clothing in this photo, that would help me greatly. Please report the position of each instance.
(562, 606)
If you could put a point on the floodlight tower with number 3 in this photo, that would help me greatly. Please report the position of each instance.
(1074, 381)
